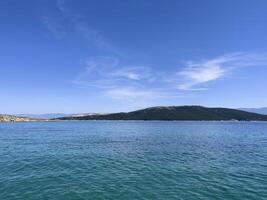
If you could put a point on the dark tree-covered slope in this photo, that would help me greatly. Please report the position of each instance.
(176, 113)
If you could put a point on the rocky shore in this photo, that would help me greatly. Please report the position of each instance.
(13, 118)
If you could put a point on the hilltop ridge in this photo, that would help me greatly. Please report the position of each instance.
(176, 113)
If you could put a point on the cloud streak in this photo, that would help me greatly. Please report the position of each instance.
(133, 73)
(124, 93)
(109, 69)
(197, 73)
(118, 81)
(64, 22)
(135, 82)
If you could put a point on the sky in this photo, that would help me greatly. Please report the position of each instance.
(73, 56)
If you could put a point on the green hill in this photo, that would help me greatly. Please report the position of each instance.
(176, 113)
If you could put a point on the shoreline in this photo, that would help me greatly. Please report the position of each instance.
(103, 120)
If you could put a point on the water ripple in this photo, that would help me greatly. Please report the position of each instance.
(133, 160)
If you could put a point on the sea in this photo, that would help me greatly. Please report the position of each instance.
(121, 160)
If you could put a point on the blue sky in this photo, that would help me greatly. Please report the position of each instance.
(104, 56)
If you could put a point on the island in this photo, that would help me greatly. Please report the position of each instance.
(180, 113)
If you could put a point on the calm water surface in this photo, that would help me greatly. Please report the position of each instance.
(133, 160)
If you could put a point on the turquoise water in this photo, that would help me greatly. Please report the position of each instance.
(133, 160)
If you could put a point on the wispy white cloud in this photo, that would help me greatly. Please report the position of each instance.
(93, 36)
(65, 21)
(133, 73)
(136, 82)
(124, 93)
(133, 81)
(109, 72)
(197, 73)
(101, 64)
(96, 72)
(117, 81)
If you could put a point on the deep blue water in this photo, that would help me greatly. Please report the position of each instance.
(133, 160)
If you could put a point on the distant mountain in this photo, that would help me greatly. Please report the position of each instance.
(256, 110)
(44, 116)
(13, 118)
(175, 113)
(54, 115)
(83, 114)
